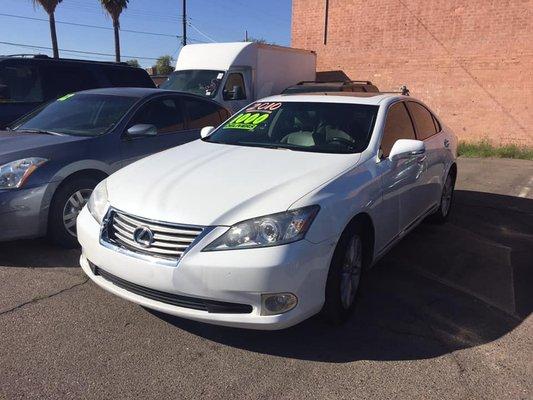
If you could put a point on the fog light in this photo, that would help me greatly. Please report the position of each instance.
(277, 303)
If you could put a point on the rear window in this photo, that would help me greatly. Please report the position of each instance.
(20, 84)
(425, 127)
(127, 77)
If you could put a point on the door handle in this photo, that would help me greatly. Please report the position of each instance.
(446, 143)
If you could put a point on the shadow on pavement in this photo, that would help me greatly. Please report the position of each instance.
(37, 253)
(443, 288)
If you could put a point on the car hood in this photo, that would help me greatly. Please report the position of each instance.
(15, 145)
(203, 183)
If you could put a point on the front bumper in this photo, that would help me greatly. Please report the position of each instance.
(237, 276)
(23, 213)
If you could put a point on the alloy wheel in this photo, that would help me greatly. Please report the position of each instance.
(351, 271)
(73, 207)
(447, 193)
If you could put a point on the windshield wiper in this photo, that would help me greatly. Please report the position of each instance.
(40, 131)
(265, 146)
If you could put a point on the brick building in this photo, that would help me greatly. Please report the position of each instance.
(471, 61)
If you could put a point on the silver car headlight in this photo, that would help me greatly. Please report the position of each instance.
(14, 174)
(270, 230)
(98, 203)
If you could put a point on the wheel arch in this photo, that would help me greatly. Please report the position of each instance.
(53, 189)
(364, 220)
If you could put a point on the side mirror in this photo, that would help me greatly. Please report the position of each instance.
(206, 131)
(142, 130)
(405, 148)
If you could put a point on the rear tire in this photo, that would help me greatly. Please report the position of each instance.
(446, 201)
(344, 276)
(64, 209)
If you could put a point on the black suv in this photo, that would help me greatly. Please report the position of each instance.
(27, 82)
(331, 86)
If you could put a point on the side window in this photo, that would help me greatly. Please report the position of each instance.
(202, 113)
(397, 126)
(65, 79)
(437, 124)
(234, 88)
(127, 77)
(165, 113)
(425, 127)
(20, 84)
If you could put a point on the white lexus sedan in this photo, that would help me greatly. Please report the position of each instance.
(273, 216)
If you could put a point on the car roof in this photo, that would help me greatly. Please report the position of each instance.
(132, 91)
(372, 98)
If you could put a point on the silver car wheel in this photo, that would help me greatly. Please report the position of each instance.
(351, 271)
(447, 193)
(73, 207)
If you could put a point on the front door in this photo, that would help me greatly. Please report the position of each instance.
(400, 178)
(167, 115)
(236, 92)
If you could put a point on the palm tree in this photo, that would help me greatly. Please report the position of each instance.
(50, 7)
(114, 8)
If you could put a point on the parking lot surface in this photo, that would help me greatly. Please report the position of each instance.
(446, 314)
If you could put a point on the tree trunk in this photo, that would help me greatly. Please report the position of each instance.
(117, 41)
(53, 34)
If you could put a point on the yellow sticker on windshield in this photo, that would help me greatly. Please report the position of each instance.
(247, 121)
(66, 97)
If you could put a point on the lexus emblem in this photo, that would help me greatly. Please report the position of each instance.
(143, 236)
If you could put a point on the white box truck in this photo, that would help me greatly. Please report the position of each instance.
(235, 74)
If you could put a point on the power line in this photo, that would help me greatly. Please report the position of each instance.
(90, 26)
(201, 33)
(73, 51)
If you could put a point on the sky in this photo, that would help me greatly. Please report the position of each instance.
(209, 21)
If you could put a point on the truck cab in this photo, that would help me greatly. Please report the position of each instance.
(236, 74)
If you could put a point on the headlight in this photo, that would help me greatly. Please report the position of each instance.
(270, 230)
(14, 174)
(98, 203)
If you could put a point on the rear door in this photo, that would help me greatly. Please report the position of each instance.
(167, 114)
(429, 190)
(21, 89)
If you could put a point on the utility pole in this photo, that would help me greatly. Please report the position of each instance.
(246, 35)
(184, 39)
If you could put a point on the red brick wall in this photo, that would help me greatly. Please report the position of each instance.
(471, 61)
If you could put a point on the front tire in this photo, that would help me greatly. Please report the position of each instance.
(66, 205)
(344, 277)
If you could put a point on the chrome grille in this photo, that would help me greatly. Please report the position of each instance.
(170, 241)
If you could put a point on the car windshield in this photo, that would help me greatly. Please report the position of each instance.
(202, 82)
(77, 114)
(316, 127)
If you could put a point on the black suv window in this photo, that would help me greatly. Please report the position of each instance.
(20, 84)
(62, 79)
(397, 126)
(165, 113)
(204, 113)
(127, 77)
(425, 127)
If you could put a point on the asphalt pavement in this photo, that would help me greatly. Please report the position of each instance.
(445, 315)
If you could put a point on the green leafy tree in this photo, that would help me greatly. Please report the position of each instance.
(164, 66)
(114, 8)
(50, 8)
(134, 63)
